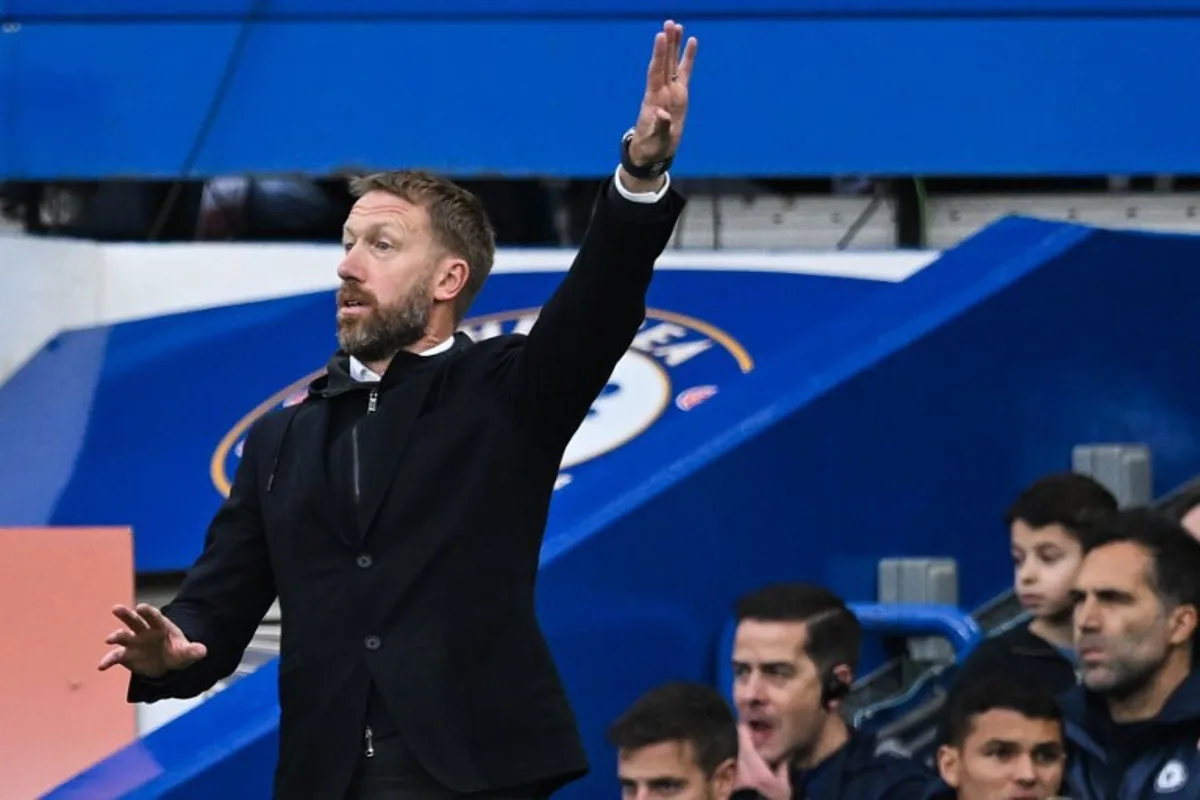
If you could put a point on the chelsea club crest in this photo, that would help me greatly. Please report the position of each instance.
(674, 365)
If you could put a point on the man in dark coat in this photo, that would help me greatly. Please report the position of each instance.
(795, 652)
(398, 512)
(1134, 724)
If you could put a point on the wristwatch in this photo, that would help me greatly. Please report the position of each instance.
(647, 172)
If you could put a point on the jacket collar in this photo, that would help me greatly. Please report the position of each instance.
(364, 374)
(1087, 716)
(345, 373)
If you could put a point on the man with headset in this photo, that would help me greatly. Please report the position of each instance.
(795, 652)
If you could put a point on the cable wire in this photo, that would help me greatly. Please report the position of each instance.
(212, 114)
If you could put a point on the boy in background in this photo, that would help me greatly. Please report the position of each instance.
(1048, 530)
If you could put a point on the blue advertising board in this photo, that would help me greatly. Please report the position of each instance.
(530, 88)
(470, 10)
(675, 364)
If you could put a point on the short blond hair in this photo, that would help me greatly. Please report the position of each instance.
(457, 219)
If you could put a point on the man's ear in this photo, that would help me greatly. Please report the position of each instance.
(844, 677)
(450, 278)
(1183, 624)
(724, 779)
(844, 674)
(947, 764)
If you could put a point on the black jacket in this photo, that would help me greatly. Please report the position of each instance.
(1022, 655)
(859, 771)
(423, 581)
(1158, 758)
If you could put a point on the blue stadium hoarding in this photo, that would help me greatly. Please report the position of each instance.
(674, 365)
(860, 86)
(469, 9)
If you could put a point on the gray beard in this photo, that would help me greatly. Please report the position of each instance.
(1128, 681)
(387, 329)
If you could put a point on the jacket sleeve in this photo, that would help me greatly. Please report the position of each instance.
(589, 323)
(226, 593)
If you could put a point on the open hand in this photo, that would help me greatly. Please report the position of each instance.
(754, 773)
(664, 106)
(150, 645)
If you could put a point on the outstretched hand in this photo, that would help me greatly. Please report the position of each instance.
(664, 106)
(149, 645)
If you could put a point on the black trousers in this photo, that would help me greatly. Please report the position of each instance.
(392, 774)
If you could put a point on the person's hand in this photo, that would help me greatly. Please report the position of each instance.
(664, 106)
(754, 773)
(150, 645)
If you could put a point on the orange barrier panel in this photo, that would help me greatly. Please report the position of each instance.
(58, 714)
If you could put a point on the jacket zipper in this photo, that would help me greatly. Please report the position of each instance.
(372, 404)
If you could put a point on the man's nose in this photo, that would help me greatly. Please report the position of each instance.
(1026, 775)
(746, 693)
(349, 270)
(755, 689)
(1087, 618)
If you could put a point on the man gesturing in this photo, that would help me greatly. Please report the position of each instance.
(398, 512)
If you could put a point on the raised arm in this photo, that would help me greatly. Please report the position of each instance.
(591, 320)
(199, 638)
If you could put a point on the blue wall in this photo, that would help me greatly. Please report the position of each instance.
(899, 421)
(580, 9)
(523, 87)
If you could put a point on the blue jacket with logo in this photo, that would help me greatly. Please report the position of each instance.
(1158, 758)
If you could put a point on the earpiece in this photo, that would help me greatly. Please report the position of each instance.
(833, 688)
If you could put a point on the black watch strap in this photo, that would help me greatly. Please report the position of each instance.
(647, 172)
